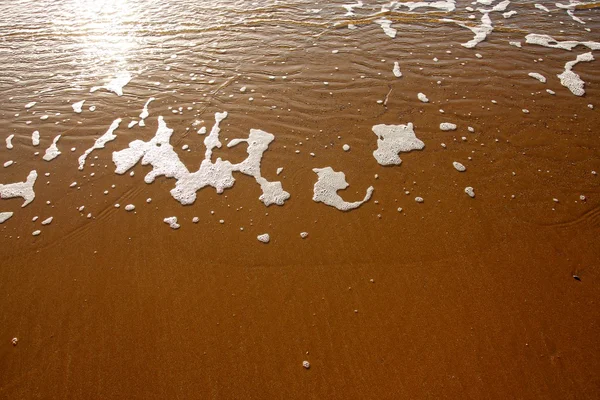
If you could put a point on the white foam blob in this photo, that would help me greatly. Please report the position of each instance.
(9, 139)
(47, 221)
(5, 216)
(570, 79)
(516, 44)
(144, 114)
(35, 138)
(264, 238)
(422, 97)
(31, 104)
(459, 167)
(116, 85)
(8, 163)
(386, 25)
(396, 70)
(303, 235)
(20, 189)
(327, 186)
(100, 142)
(159, 153)
(279, 170)
(392, 140)
(52, 152)
(541, 7)
(172, 221)
(509, 14)
(77, 107)
(36, 233)
(549, 41)
(447, 126)
(346, 147)
(129, 207)
(537, 76)
(469, 191)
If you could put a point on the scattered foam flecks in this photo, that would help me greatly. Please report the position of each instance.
(144, 114)
(20, 189)
(570, 79)
(52, 152)
(77, 107)
(116, 84)
(159, 153)
(570, 10)
(394, 139)
(386, 25)
(100, 142)
(447, 5)
(327, 186)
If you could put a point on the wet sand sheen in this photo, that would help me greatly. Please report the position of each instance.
(451, 297)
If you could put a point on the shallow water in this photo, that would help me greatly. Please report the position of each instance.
(454, 296)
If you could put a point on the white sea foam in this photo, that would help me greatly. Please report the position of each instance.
(396, 71)
(459, 167)
(52, 152)
(350, 7)
(9, 139)
(100, 142)
(509, 14)
(570, 79)
(5, 216)
(264, 238)
(447, 5)
(20, 189)
(549, 41)
(144, 114)
(327, 186)
(386, 25)
(8, 163)
(77, 107)
(469, 191)
(422, 97)
(159, 153)
(117, 84)
(47, 221)
(129, 207)
(172, 221)
(36, 233)
(447, 126)
(392, 140)
(31, 104)
(35, 138)
(541, 7)
(537, 76)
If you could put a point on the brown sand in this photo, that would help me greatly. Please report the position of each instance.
(452, 298)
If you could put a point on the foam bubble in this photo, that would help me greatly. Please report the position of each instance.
(570, 79)
(116, 85)
(9, 139)
(447, 126)
(172, 222)
(396, 70)
(47, 221)
(77, 107)
(469, 191)
(392, 140)
(422, 97)
(303, 235)
(129, 207)
(537, 76)
(31, 104)
(35, 138)
(346, 147)
(100, 142)
(8, 163)
(20, 189)
(36, 233)
(52, 152)
(459, 167)
(264, 238)
(327, 186)
(5, 216)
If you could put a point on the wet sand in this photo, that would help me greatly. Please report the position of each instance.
(455, 297)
